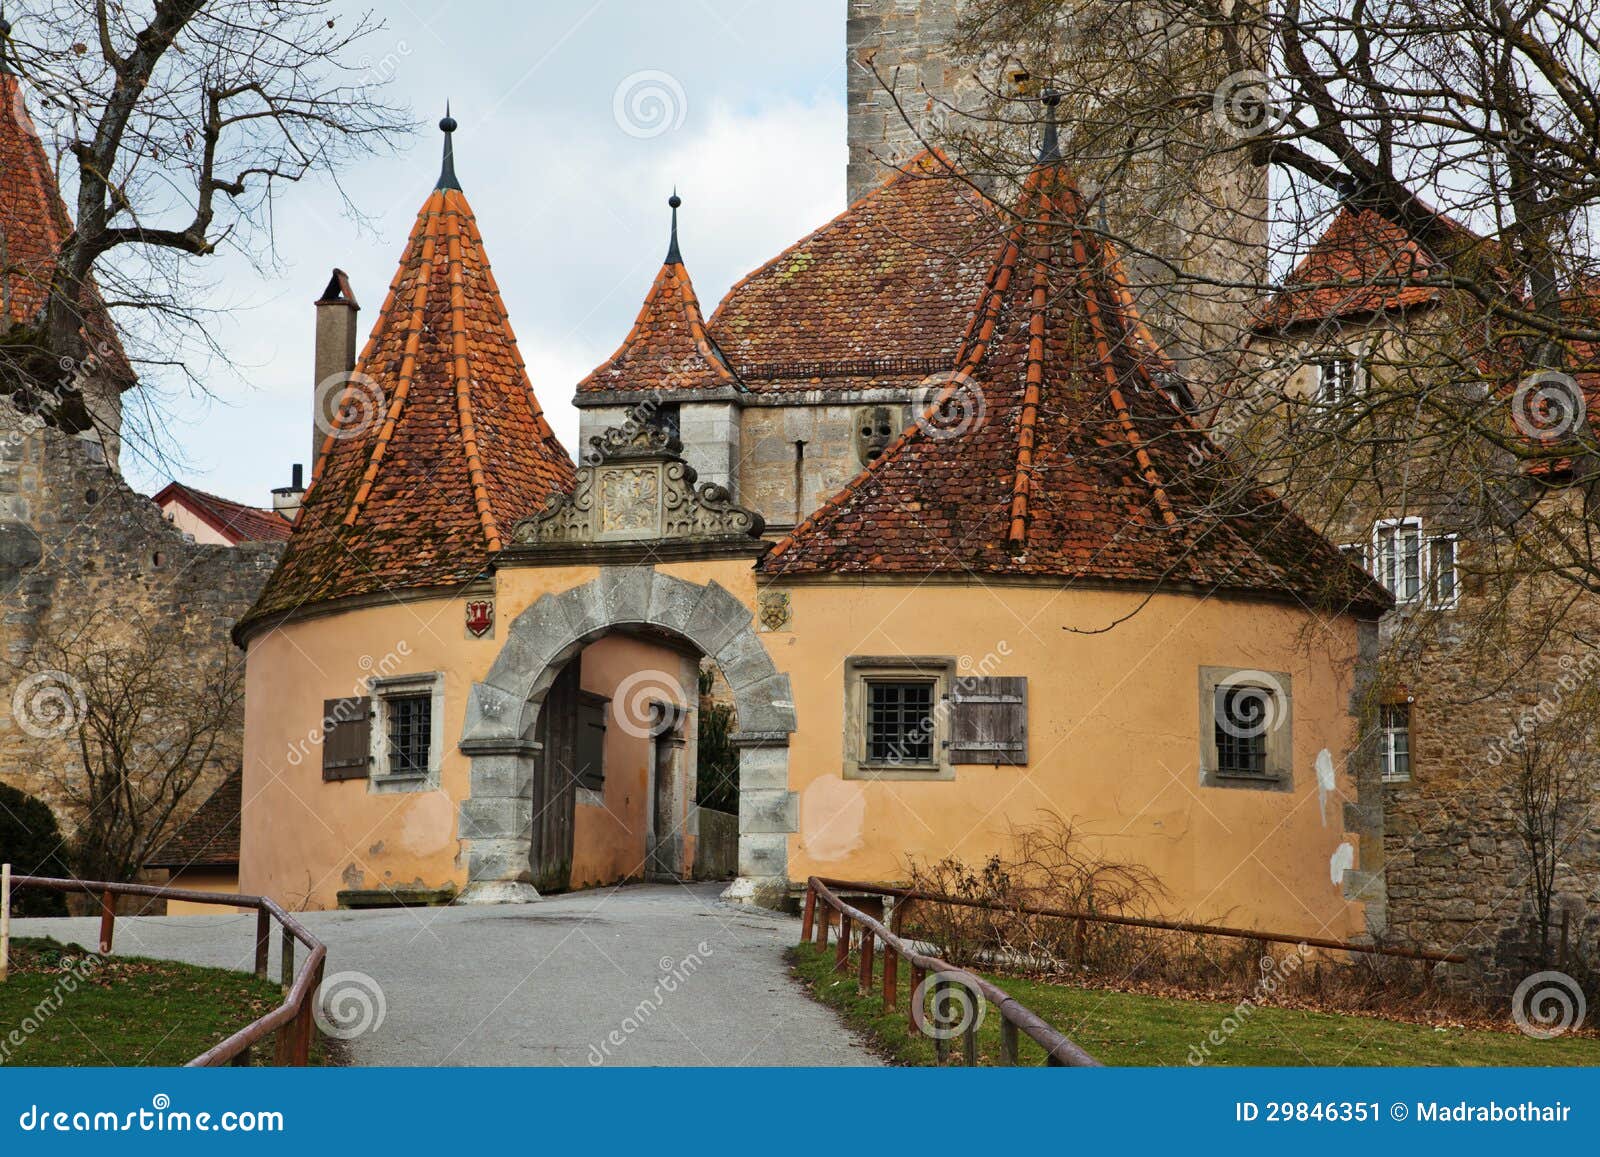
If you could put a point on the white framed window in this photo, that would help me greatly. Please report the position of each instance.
(407, 731)
(1395, 725)
(1397, 548)
(1338, 378)
(1415, 567)
(1442, 584)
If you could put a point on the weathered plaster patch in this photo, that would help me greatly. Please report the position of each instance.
(1327, 780)
(1342, 860)
(833, 815)
(428, 823)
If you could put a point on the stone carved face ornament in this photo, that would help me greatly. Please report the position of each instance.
(875, 429)
(634, 486)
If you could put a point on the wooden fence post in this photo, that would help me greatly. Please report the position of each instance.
(841, 950)
(891, 978)
(864, 973)
(286, 965)
(263, 940)
(5, 921)
(808, 915)
(108, 920)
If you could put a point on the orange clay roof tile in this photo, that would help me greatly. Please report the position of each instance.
(880, 295)
(33, 223)
(668, 348)
(1054, 450)
(439, 444)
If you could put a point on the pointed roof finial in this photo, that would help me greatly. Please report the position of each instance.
(673, 256)
(5, 44)
(1050, 149)
(447, 172)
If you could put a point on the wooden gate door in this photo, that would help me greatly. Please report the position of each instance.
(555, 782)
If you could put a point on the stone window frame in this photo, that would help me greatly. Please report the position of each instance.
(382, 781)
(1279, 775)
(859, 672)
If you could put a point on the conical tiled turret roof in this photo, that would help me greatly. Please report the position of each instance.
(668, 349)
(33, 223)
(439, 445)
(1053, 449)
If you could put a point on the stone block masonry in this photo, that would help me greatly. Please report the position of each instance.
(78, 545)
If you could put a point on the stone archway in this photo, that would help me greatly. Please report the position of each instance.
(496, 819)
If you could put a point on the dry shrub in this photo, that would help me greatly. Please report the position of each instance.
(1050, 866)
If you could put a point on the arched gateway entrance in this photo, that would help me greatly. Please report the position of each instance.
(634, 510)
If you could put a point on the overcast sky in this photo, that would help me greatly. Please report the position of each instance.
(570, 196)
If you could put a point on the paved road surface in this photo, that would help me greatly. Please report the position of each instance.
(653, 974)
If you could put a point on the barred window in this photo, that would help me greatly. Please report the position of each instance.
(410, 733)
(899, 722)
(1241, 725)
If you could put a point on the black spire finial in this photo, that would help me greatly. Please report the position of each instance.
(1050, 150)
(673, 256)
(447, 172)
(5, 44)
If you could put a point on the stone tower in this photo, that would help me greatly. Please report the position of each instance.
(908, 39)
(1213, 225)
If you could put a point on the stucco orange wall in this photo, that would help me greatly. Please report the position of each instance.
(1113, 741)
(303, 840)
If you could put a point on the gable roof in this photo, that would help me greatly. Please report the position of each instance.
(1362, 264)
(33, 224)
(233, 520)
(1054, 450)
(667, 349)
(439, 445)
(877, 296)
(210, 837)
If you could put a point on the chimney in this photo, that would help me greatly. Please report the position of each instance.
(335, 355)
(286, 499)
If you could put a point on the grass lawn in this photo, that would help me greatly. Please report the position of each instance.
(63, 1007)
(1120, 1028)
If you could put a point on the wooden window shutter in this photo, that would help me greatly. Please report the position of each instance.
(346, 739)
(591, 765)
(989, 720)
